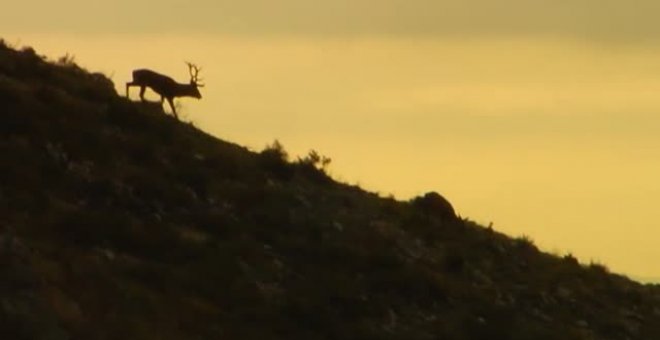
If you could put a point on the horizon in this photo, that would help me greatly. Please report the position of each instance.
(545, 132)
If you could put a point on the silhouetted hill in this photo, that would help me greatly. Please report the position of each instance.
(119, 222)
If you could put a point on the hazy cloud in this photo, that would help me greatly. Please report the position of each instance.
(581, 19)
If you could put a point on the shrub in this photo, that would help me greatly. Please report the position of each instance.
(315, 160)
(67, 60)
(525, 242)
(274, 160)
(314, 166)
(569, 258)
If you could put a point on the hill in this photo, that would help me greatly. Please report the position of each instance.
(119, 222)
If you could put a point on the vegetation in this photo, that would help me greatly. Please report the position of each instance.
(119, 222)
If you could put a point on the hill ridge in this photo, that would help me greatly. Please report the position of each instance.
(117, 221)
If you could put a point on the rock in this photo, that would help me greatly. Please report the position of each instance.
(631, 327)
(481, 279)
(105, 253)
(13, 246)
(392, 321)
(564, 293)
(541, 316)
(434, 204)
(582, 324)
(13, 308)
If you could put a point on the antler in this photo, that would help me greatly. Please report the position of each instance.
(194, 73)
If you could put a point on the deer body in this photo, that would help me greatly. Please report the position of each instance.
(165, 86)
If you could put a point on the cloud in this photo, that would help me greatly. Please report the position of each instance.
(580, 19)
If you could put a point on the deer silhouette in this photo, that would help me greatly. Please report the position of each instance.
(165, 86)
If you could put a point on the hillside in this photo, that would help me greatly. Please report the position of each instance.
(119, 222)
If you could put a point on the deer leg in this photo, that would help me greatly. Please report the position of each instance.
(171, 101)
(127, 86)
(142, 90)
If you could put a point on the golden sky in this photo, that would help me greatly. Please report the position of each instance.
(588, 19)
(540, 116)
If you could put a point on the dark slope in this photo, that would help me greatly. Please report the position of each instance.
(118, 222)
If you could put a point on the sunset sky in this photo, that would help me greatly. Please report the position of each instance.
(542, 117)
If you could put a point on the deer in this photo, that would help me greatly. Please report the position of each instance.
(165, 86)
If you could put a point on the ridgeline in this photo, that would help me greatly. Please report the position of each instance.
(119, 222)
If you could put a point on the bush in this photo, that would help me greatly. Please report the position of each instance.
(315, 160)
(274, 160)
(314, 166)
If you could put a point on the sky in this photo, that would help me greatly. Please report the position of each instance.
(539, 116)
(589, 19)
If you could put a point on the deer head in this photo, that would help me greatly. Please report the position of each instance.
(194, 78)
